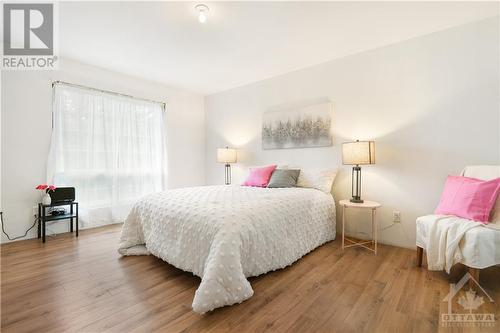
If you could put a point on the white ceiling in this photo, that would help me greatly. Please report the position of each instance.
(242, 42)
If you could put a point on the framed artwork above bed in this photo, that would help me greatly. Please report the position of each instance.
(301, 125)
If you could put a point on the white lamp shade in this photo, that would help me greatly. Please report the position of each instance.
(359, 152)
(226, 155)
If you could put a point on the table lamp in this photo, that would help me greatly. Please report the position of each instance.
(226, 155)
(357, 153)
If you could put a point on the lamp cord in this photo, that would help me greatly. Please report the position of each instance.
(15, 238)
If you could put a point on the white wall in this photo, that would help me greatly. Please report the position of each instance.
(430, 103)
(26, 126)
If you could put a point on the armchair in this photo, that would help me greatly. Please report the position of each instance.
(480, 246)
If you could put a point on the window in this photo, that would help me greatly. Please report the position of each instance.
(110, 147)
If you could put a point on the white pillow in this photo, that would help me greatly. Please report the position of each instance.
(321, 179)
(487, 172)
(495, 215)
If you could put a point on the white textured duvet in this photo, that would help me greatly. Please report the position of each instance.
(224, 234)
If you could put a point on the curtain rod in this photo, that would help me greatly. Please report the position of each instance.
(163, 104)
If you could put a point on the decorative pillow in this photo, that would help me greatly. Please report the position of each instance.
(259, 176)
(278, 166)
(251, 167)
(284, 178)
(321, 179)
(469, 198)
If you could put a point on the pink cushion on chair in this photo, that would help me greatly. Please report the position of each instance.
(469, 198)
(259, 176)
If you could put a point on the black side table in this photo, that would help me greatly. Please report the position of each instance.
(43, 217)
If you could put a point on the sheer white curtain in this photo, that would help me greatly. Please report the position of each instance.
(111, 148)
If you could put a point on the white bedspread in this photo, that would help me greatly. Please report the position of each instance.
(224, 234)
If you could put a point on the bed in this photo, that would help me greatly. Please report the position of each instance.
(224, 234)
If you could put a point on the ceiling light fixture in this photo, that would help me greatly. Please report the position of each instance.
(202, 12)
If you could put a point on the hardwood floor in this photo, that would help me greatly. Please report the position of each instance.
(83, 285)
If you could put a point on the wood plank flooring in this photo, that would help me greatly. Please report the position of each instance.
(83, 285)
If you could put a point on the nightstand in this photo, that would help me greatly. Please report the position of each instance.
(44, 218)
(368, 205)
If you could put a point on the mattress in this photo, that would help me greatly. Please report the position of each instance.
(225, 234)
(480, 247)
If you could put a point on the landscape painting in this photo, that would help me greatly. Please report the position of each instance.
(298, 127)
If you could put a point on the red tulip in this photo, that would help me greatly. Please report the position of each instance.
(52, 188)
(42, 187)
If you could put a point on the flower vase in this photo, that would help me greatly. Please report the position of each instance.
(46, 199)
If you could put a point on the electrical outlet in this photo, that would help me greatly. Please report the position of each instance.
(396, 216)
(34, 210)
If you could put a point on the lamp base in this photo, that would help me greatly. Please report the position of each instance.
(356, 185)
(227, 174)
(357, 200)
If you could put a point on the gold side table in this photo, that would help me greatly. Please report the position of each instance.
(370, 205)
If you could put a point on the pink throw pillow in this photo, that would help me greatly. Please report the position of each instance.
(259, 176)
(469, 198)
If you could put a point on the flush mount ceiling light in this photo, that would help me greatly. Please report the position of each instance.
(202, 12)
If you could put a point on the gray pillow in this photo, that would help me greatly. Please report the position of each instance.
(284, 178)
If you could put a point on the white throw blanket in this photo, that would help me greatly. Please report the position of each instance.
(443, 245)
(224, 234)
